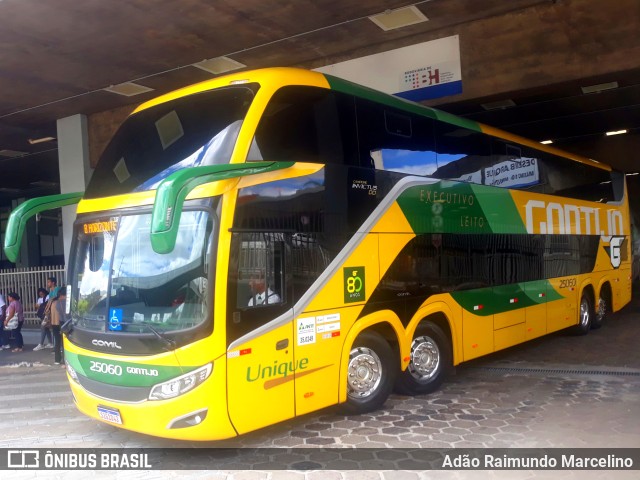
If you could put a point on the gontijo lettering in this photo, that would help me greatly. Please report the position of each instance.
(552, 217)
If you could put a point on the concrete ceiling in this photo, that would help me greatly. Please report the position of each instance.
(57, 56)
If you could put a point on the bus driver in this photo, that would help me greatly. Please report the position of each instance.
(260, 293)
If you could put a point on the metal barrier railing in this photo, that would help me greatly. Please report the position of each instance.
(25, 282)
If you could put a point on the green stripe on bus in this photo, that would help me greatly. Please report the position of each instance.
(351, 88)
(491, 301)
(125, 374)
(504, 216)
(454, 207)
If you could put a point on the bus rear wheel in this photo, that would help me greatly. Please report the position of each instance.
(370, 374)
(602, 308)
(430, 361)
(585, 315)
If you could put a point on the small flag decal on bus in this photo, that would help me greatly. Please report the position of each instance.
(478, 307)
(513, 300)
(540, 295)
(238, 353)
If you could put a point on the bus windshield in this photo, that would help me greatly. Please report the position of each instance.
(195, 130)
(119, 284)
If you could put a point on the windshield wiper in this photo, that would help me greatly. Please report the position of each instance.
(168, 342)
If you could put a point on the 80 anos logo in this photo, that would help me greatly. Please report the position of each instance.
(354, 288)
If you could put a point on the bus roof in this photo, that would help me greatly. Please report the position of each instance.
(283, 76)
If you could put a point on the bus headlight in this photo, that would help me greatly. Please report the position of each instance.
(179, 385)
(72, 372)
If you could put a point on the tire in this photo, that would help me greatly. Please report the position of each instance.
(585, 315)
(601, 310)
(431, 360)
(370, 375)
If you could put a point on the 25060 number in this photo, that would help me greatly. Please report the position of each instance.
(107, 368)
(568, 283)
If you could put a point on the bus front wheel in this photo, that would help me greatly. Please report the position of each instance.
(370, 374)
(430, 361)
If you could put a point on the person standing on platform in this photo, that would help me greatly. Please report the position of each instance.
(45, 321)
(4, 334)
(15, 310)
(58, 317)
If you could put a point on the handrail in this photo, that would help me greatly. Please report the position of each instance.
(23, 212)
(173, 190)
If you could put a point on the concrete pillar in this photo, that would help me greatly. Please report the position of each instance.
(75, 171)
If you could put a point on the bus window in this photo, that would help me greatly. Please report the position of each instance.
(462, 154)
(393, 140)
(577, 180)
(514, 166)
(258, 288)
(306, 124)
(260, 270)
(191, 131)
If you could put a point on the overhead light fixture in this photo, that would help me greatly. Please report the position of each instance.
(402, 17)
(600, 87)
(632, 174)
(11, 153)
(219, 65)
(128, 89)
(616, 132)
(546, 142)
(34, 141)
(500, 104)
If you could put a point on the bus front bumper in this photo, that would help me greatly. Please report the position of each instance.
(199, 414)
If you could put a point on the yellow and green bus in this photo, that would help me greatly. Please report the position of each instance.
(269, 243)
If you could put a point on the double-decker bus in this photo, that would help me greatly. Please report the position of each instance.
(269, 243)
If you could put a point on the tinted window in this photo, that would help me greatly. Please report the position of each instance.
(307, 124)
(462, 153)
(514, 166)
(199, 129)
(395, 140)
(577, 180)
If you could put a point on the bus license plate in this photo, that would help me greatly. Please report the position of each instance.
(110, 415)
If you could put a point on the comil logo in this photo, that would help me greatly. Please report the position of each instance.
(23, 459)
(104, 343)
(354, 289)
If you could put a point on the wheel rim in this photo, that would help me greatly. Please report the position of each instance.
(425, 358)
(584, 312)
(602, 309)
(365, 372)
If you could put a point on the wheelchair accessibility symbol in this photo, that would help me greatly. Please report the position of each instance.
(115, 319)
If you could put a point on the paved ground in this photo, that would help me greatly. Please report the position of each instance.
(558, 391)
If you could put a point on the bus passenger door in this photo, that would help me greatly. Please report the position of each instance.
(260, 380)
(260, 386)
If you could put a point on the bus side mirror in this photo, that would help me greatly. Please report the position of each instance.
(19, 217)
(173, 190)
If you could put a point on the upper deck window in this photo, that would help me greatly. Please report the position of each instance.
(191, 131)
(307, 124)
